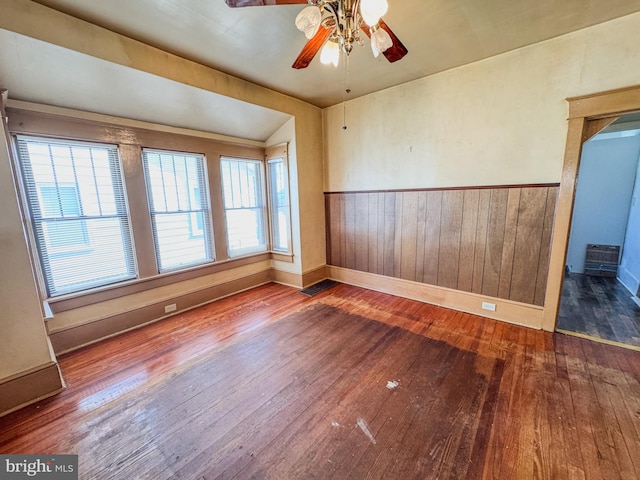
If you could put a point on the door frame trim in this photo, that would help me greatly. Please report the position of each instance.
(585, 112)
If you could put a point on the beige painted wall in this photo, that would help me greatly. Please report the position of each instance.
(23, 342)
(497, 121)
(310, 191)
(307, 199)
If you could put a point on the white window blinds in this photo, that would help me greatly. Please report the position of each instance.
(179, 206)
(244, 205)
(79, 214)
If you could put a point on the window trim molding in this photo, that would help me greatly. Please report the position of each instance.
(56, 123)
(272, 153)
(264, 208)
(208, 238)
(41, 259)
(117, 125)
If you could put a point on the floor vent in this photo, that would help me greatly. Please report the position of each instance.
(318, 287)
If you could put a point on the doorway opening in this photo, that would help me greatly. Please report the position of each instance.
(602, 266)
(588, 116)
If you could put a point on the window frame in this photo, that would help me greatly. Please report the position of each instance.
(31, 196)
(130, 137)
(206, 233)
(82, 246)
(279, 153)
(263, 226)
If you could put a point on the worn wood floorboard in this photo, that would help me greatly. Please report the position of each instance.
(351, 383)
(600, 307)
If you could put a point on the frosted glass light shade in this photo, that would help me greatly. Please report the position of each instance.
(372, 10)
(380, 41)
(330, 54)
(308, 20)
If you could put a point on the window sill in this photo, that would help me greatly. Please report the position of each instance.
(282, 257)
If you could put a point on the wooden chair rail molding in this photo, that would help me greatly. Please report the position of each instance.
(442, 189)
(492, 241)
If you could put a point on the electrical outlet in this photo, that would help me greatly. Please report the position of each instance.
(489, 306)
(170, 308)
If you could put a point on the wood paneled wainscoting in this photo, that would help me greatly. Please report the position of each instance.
(491, 241)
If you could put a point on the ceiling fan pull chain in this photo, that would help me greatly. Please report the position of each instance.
(345, 92)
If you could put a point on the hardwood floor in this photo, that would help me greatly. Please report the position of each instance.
(350, 383)
(599, 307)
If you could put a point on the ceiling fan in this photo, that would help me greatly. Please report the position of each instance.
(335, 25)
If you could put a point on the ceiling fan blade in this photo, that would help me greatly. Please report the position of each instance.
(260, 3)
(313, 46)
(397, 50)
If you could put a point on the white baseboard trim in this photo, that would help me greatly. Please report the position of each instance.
(628, 280)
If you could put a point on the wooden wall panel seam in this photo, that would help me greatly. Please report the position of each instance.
(484, 200)
(545, 246)
(470, 206)
(397, 239)
(508, 252)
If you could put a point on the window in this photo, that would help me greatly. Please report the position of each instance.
(62, 200)
(280, 213)
(242, 186)
(78, 210)
(179, 205)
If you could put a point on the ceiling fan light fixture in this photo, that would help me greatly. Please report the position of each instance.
(380, 41)
(308, 21)
(372, 10)
(330, 54)
(336, 26)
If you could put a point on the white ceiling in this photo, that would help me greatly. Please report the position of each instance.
(259, 44)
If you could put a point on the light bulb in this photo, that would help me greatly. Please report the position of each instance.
(375, 51)
(330, 54)
(380, 41)
(372, 10)
(308, 21)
